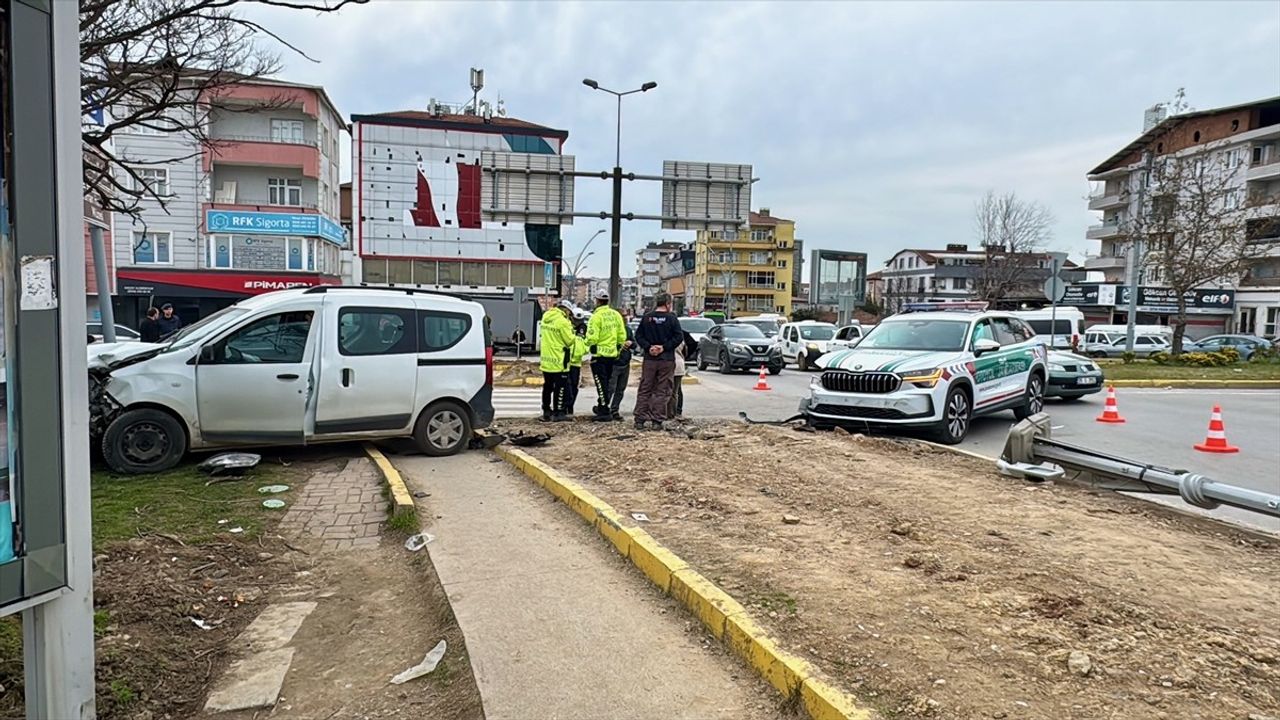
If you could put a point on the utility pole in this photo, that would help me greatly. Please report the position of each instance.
(1136, 250)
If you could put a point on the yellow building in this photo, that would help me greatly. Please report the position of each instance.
(748, 272)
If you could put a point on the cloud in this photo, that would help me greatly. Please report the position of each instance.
(874, 125)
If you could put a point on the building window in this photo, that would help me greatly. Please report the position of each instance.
(286, 131)
(1272, 320)
(154, 180)
(151, 248)
(220, 251)
(759, 258)
(782, 263)
(284, 191)
(758, 279)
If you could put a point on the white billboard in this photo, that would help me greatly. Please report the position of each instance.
(705, 196)
(526, 187)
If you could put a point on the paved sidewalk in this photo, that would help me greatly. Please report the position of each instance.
(556, 625)
(340, 509)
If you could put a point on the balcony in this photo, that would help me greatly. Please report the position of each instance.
(1103, 231)
(1267, 169)
(1107, 200)
(263, 151)
(1105, 262)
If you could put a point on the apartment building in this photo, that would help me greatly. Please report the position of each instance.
(746, 272)
(649, 264)
(676, 272)
(252, 211)
(1242, 141)
(955, 273)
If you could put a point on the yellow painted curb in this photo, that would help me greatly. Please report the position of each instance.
(723, 616)
(1193, 383)
(401, 500)
(690, 380)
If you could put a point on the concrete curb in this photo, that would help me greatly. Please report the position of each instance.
(537, 382)
(725, 617)
(401, 501)
(1182, 383)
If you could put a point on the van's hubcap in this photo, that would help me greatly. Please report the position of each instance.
(957, 415)
(144, 442)
(445, 429)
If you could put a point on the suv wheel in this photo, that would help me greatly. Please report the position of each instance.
(443, 429)
(725, 368)
(702, 362)
(143, 441)
(1034, 399)
(957, 413)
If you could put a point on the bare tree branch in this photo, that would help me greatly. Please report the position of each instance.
(1013, 233)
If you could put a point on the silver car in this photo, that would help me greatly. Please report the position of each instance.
(1143, 346)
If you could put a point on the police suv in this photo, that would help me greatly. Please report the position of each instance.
(937, 366)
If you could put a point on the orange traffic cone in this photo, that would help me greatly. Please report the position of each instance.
(1216, 442)
(1110, 413)
(762, 384)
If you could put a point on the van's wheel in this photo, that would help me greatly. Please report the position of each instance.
(443, 429)
(802, 361)
(143, 441)
(957, 413)
(1034, 399)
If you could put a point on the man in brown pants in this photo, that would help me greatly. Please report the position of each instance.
(658, 336)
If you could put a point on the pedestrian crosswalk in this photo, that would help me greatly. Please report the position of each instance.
(517, 402)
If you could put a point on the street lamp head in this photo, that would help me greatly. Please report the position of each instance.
(648, 86)
(591, 83)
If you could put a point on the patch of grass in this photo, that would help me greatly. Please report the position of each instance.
(178, 503)
(121, 692)
(405, 522)
(10, 658)
(776, 601)
(101, 619)
(1146, 370)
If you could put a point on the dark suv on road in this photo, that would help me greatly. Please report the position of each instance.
(738, 346)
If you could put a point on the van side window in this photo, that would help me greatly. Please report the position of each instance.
(442, 330)
(279, 338)
(376, 331)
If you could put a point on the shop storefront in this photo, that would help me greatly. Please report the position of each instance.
(1209, 310)
(197, 293)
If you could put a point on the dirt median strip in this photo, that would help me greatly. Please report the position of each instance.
(926, 585)
(727, 619)
(1203, 384)
(401, 502)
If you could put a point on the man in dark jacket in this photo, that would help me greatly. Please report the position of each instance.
(169, 321)
(150, 327)
(619, 375)
(658, 335)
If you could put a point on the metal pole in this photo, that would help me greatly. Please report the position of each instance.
(1135, 255)
(615, 249)
(108, 313)
(1053, 311)
(617, 151)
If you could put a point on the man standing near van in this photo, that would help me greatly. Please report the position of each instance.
(606, 334)
(150, 327)
(557, 344)
(169, 321)
(658, 335)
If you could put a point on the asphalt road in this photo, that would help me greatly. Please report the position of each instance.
(1161, 427)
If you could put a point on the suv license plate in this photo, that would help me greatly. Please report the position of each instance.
(1087, 381)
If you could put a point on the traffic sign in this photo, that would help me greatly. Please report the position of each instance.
(1055, 288)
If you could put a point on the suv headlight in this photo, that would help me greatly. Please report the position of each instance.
(1055, 367)
(775, 350)
(735, 347)
(922, 378)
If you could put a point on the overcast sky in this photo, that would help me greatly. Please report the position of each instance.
(873, 126)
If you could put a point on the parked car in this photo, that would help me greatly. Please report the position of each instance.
(697, 327)
(122, 333)
(804, 342)
(1143, 346)
(1106, 334)
(301, 366)
(738, 346)
(1246, 345)
(767, 326)
(1071, 376)
(934, 370)
(848, 336)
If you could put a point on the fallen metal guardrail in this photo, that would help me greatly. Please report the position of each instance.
(1029, 452)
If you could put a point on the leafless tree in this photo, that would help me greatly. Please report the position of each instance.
(1194, 226)
(159, 66)
(1013, 233)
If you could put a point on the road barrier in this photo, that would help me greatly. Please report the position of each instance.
(1029, 452)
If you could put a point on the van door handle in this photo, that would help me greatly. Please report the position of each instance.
(287, 376)
(347, 376)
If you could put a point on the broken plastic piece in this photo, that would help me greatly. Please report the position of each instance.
(273, 504)
(417, 542)
(204, 624)
(427, 665)
(232, 463)
(236, 529)
(272, 489)
(639, 517)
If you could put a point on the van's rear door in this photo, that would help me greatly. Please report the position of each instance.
(368, 370)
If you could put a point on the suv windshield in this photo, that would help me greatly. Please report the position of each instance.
(742, 330)
(195, 332)
(917, 335)
(696, 325)
(817, 332)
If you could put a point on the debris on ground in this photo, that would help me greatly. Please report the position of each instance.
(273, 504)
(1046, 603)
(427, 665)
(520, 439)
(231, 463)
(486, 441)
(790, 520)
(417, 542)
(273, 489)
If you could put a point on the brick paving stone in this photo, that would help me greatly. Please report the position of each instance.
(343, 510)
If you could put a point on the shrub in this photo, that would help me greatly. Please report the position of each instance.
(1128, 357)
(1265, 355)
(1231, 354)
(1161, 358)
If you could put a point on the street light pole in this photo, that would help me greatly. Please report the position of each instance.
(615, 251)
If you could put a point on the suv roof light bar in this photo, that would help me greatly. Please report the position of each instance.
(954, 306)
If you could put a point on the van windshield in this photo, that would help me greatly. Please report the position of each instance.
(1060, 327)
(194, 333)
